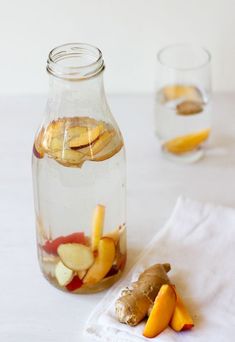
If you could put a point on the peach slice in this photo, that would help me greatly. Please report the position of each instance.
(97, 226)
(76, 256)
(176, 91)
(162, 311)
(103, 262)
(181, 319)
(187, 143)
(63, 274)
(87, 137)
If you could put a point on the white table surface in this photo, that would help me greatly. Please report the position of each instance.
(30, 308)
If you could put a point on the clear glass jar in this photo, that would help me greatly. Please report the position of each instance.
(79, 176)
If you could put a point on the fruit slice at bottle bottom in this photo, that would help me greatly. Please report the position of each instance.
(186, 143)
(76, 256)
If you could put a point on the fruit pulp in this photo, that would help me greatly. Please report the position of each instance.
(182, 121)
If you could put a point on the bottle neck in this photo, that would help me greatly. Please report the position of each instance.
(77, 98)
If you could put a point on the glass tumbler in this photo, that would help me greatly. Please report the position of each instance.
(79, 176)
(183, 101)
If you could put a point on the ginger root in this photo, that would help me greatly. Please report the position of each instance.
(134, 303)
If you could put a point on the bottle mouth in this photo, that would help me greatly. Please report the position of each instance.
(75, 61)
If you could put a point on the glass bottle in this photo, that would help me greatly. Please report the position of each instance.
(78, 168)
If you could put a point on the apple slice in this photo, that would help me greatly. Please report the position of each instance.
(162, 311)
(103, 262)
(76, 256)
(97, 226)
(181, 319)
(63, 274)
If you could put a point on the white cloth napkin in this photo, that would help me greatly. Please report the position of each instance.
(199, 242)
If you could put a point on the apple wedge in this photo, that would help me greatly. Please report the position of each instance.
(181, 319)
(63, 274)
(103, 262)
(75, 256)
(162, 311)
(97, 226)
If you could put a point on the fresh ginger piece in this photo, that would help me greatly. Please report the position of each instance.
(75, 256)
(87, 137)
(181, 319)
(63, 274)
(162, 311)
(187, 143)
(97, 226)
(103, 261)
(133, 305)
(68, 157)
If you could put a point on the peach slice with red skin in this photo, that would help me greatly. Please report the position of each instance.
(103, 261)
(181, 319)
(162, 311)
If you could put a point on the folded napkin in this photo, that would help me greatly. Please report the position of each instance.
(199, 242)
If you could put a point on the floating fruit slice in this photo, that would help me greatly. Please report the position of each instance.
(181, 319)
(98, 145)
(75, 131)
(68, 157)
(189, 108)
(176, 91)
(63, 274)
(110, 149)
(87, 137)
(103, 262)
(97, 226)
(38, 149)
(161, 312)
(187, 143)
(75, 256)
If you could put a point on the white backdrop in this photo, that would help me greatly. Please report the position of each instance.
(129, 32)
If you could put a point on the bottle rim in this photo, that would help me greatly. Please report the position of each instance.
(169, 62)
(75, 61)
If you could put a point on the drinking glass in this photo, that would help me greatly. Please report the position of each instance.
(183, 101)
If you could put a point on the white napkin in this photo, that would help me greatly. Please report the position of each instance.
(199, 242)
